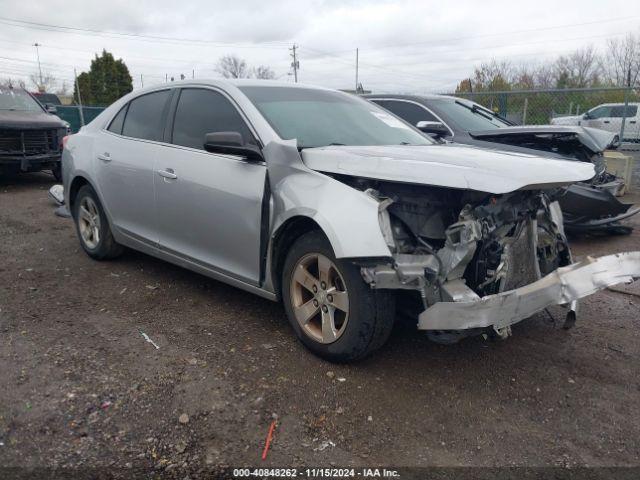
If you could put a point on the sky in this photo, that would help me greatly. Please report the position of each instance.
(410, 46)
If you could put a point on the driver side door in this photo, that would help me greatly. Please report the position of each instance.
(598, 117)
(209, 205)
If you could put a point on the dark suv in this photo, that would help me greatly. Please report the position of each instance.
(30, 136)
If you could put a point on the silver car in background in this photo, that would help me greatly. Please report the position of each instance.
(333, 205)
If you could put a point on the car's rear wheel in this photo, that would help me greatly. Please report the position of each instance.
(92, 226)
(331, 309)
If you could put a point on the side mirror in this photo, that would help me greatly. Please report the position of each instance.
(586, 116)
(50, 108)
(437, 129)
(231, 143)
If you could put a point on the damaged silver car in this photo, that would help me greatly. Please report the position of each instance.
(332, 205)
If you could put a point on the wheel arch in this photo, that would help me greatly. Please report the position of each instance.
(74, 187)
(282, 240)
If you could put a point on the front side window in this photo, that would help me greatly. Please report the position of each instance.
(408, 111)
(145, 117)
(17, 100)
(201, 111)
(318, 118)
(600, 112)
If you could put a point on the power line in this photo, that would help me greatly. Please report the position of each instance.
(89, 31)
(390, 68)
(512, 32)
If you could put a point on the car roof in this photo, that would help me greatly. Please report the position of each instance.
(619, 104)
(429, 96)
(223, 82)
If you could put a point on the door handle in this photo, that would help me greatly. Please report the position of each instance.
(607, 121)
(105, 157)
(632, 121)
(168, 173)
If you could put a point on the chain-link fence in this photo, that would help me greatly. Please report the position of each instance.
(613, 109)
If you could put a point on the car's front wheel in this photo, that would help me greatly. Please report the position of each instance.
(330, 307)
(92, 226)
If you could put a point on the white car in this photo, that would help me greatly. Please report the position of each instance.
(607, 116)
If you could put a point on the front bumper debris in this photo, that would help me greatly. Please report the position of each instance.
(563, 286)
(56, 193)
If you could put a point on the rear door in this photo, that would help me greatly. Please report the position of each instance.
(631, 125)
(125, 154)
(209, 205)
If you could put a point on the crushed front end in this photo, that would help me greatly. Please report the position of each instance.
(479, 261)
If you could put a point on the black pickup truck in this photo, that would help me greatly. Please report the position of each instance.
(30, 135)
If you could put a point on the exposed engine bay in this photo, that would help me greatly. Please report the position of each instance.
(452, 244)
(491, 242)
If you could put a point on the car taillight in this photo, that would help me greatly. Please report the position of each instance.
(65, 139)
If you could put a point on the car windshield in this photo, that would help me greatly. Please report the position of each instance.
(318, 118)
(469, 116)
(17, 99)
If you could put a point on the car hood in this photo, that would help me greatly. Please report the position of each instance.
(448, 165)
(16, 119)
(593, 139)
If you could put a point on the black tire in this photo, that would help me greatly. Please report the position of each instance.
(371, 312)
(106, 248)
(57, 172)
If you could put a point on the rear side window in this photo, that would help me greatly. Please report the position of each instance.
(145, 117)
(202, 111)
(619, 112)
(409, 112)
(118, 121)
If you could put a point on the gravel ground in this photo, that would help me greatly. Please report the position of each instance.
(82, 387)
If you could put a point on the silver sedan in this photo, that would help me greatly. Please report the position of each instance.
(333, 205)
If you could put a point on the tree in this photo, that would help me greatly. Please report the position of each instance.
(579, 69)
(12, 83)
(263, 72)
(43, 83)
(492, 76)
(622, 62)
(231, 66)
(63, 89)
(106, 81)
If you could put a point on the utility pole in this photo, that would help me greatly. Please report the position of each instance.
(356, 70)
(75, 76)
(39, 67)
(295, 64)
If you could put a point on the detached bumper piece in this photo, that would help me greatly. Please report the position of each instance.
(587, 208)
(564, 286)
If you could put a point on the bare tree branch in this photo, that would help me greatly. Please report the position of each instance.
(263, 72)
(622, 60)
(231, 66)
(44, 84)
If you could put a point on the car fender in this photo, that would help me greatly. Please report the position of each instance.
(348, 217)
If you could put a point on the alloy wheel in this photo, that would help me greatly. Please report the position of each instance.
(319, 298)
(89, 222)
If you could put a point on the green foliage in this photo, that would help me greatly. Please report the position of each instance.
(106, 81)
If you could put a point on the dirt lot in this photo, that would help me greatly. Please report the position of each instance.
(82, 388)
